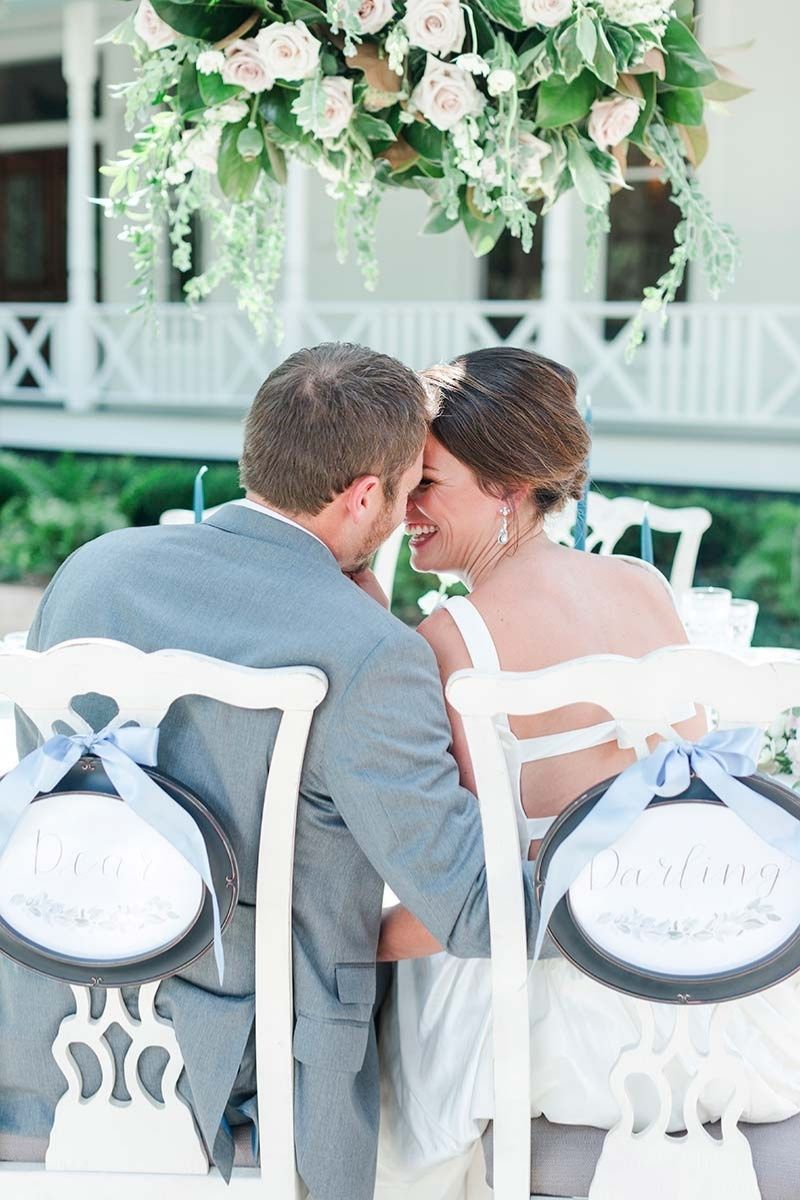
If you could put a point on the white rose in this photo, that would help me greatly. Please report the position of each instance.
(500, 81)
(637, 12)
(338, 107)
(210, 61)
(155, 33)
(229, 112)
(530, 152)
(793, 752)
(612, 120)
(778, 727)
(374, 14)
(435, 25)
(289, 51)
(200, 147)
(545, 12)
(446, 94)
(245, 67)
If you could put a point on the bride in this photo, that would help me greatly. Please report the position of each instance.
(507, 449)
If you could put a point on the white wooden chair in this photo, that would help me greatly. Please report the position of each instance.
(633, 690)
(185, 516)
(144, 686)
(607, 520)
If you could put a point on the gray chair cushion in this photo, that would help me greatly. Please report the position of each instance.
(16, 1147)
(563, 1157)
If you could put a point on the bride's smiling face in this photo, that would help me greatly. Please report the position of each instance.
(452, 523)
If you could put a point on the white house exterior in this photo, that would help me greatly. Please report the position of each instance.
(713, 398)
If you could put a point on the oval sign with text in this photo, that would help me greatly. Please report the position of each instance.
(690, 905)
(92, 894)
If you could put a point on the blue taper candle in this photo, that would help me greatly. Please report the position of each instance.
(580, 516)
(199, 498)
(646, 544)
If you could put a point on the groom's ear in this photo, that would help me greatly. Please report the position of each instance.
(363, 497)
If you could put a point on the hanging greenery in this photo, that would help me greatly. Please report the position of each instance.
(491, 107)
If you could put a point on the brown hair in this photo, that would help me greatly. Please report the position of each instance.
(510, 415)
(326, 416)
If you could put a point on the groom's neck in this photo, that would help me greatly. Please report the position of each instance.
(316, 524)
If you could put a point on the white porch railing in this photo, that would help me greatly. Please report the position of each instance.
(720, 367)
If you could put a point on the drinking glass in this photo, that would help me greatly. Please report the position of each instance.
(742, 623)
(706, 611)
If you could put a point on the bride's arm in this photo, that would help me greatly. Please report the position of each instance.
(402, 934)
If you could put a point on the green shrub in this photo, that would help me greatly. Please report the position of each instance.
(19, 478)
(38, 533)
(156, 488)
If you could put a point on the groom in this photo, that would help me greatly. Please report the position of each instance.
(332, 448)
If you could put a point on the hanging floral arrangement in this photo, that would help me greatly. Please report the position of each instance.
(494, 108)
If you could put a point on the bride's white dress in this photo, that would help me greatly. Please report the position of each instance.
(436, 1038)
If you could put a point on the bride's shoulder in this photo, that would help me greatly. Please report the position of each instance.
(444, 637)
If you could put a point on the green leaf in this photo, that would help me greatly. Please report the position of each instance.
(589, 183)
(563, 103)
(374, 129)
(302, 10)
(275, 161)
(485, 32)
(585, 36)
(648, 85)
(622, 43)
(438, 220)
(213, 90)
(207, 21)
(687, 65)
(237, 178)
(605, 64)
(684, 11)
(189, 98)
(683, 106)
(427, 141)
(570, 54)
(276, 109)
(483, 232)
(504, 12)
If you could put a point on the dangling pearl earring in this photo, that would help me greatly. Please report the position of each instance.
(502, 537)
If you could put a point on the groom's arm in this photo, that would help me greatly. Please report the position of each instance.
(389, 771)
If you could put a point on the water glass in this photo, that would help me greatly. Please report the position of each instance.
(742, 623)
(706, 612)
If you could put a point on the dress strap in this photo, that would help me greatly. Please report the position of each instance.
(475, 632)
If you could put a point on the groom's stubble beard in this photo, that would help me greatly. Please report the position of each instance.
(385, 524)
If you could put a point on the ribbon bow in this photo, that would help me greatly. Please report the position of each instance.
(718, 759)
(123, 753)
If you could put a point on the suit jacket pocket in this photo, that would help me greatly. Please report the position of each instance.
(355, 983)
(336, 1045)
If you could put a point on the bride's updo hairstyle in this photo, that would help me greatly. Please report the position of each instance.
(511, 416)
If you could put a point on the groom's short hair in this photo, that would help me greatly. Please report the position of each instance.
(328, 415)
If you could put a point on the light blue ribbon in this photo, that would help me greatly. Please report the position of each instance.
(716, 759)
(123, 753)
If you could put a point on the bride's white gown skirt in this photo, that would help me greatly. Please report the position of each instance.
(436, 1063)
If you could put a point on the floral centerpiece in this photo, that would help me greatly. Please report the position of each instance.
(494, 108)
(780, 754)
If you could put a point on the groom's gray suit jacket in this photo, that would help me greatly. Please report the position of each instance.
(380, 800)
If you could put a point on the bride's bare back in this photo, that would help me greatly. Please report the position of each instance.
(544, 605)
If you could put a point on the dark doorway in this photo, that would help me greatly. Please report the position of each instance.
(33, 226)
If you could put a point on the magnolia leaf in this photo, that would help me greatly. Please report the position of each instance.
(438, 221)
(647, 83)
(400, 156)
(237, 177)
(302, 10)
(505, 12)
(653, 61)
(629, 85)
(586, 36)
(695, 143)
(728, 85)
(282, 126)
(589, 183)
(683, 106)
(427, 141)
(207, 21)
(276, 161)
(563, 103)
(190, 100)
(213, 90)
(377, 71)
(684, 11)
(620, 153)
(604, 64)
(686, 64)
(483, 230)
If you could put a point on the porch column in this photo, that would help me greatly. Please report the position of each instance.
(295, 287)
(557, 277)
(79, 65)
